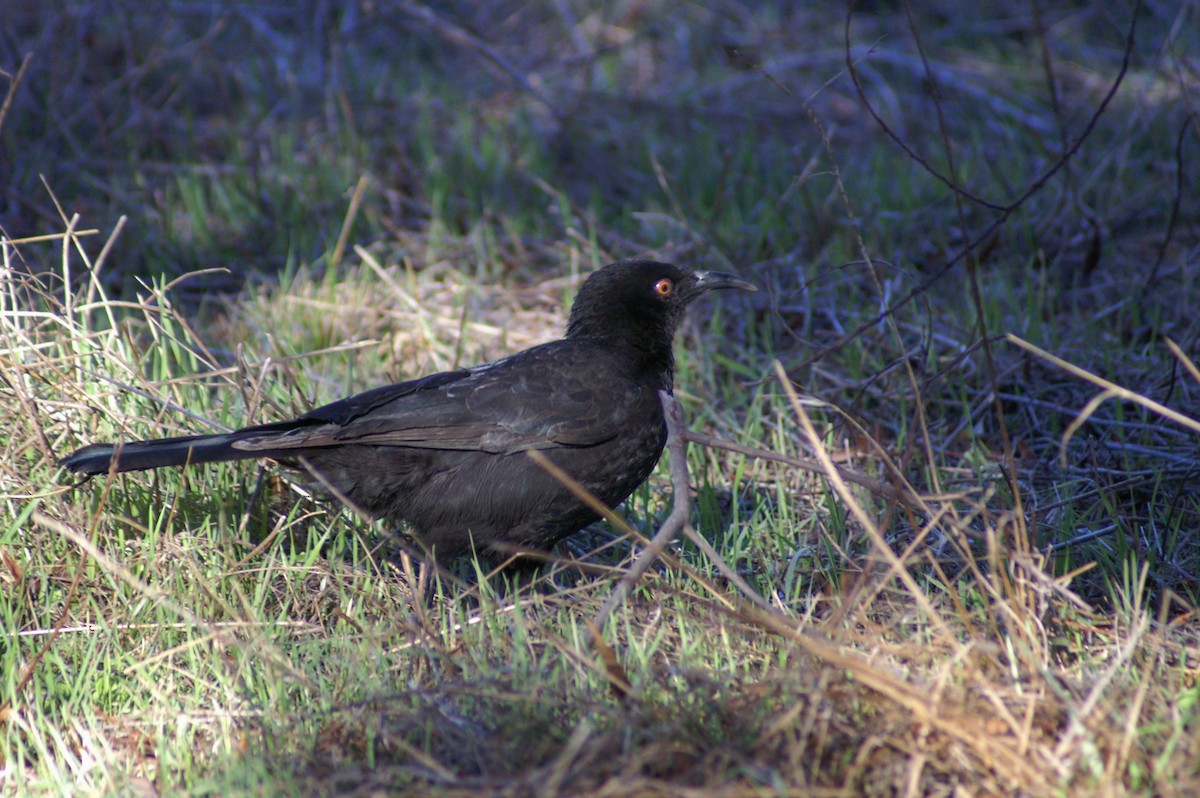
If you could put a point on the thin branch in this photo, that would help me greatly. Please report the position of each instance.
(1040, 181)
(804, 463)
(1173, 220)
(896, 567)
(895, 137)
(1109, 390)
(13, 86)
(456, 34)
(681, 507)
(1005, 210)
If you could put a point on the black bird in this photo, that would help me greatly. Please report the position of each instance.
(447, 453)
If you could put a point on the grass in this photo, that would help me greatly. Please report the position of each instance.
(223, 215)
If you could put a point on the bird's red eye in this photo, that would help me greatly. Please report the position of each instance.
(664, 287)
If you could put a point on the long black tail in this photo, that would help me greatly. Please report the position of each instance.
(140, 455)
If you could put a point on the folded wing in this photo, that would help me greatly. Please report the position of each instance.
(542, 398)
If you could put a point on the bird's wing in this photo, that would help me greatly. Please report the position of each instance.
(544, 397)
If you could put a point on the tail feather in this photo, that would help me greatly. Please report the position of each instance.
(141, 455)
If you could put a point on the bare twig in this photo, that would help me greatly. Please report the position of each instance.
(458, 35)
(804, 463)
(13, 86)
(896, 567)
(1005, 210)
(1110, 390)
(725, 569)
(681, 507)
(1174, 219)
(1038, 182)
(348, 223)
(1007, 462)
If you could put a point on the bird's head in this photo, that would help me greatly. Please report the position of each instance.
(641, 301)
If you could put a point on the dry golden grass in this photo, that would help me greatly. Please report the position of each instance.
(992, 679)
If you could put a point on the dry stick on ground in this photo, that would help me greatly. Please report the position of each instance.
(1110, 391)
(676, 522)
(896, 567)
(622, 525)
(804, 463)
(998, 753)
(1023, 540)
(681, 507)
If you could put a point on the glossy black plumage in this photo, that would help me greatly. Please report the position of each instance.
(446, 453)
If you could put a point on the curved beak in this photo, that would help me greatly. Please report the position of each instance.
(712, 281)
